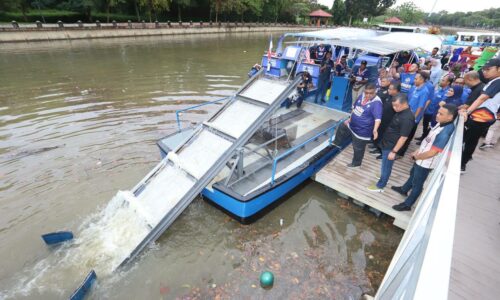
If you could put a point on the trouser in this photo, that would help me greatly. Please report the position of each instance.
(321, 92)
(472, 132)
(491, 137)
(356, 93)
(415, 183)
(426, 122)
(385, 169)
(343, 133)
(403, 149)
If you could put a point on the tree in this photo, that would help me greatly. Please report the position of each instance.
(299, 9)
(408, 12)
(155, 6)
(356, 9)
(110, 4)
(338, 12)
(180, 5)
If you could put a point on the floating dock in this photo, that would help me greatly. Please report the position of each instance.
(354, 182)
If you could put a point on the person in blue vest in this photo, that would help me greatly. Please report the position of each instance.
(408, 78)
(324, 78)
(430, 95)
(362, 125)
(429, 119)
(417, 97)
(427, 156)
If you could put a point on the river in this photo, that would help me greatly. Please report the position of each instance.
(79, 121)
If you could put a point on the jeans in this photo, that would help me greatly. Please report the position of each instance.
(321, 92)
(343, 133)
(473, 131)
(386, 169)
(415, 183)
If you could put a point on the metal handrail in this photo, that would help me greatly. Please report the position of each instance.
(177, 112)
(420, 268)
(295, 148)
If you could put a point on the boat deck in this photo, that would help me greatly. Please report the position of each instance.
(354, 182)
(475, 266)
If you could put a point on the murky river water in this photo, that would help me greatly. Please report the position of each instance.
(79, 121)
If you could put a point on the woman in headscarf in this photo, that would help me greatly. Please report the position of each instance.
(436, 71)
(453, 96)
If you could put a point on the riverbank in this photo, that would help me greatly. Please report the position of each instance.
(54, 32)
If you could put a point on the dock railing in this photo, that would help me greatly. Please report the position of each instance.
(421, 266)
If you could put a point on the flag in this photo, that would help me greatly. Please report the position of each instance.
(341, 53)
(269, 54)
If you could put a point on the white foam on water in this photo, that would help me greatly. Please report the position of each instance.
(102, 242)
(50, 95)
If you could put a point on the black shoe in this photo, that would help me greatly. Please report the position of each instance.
(401, 207)
(399, 190)
(379, 156)
(375, 151)
(353, 166)
(372, 146)
(419, 138)
(462, 170)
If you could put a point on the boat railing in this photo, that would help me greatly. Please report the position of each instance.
(179, 111)
(421, 266)
(330, 129)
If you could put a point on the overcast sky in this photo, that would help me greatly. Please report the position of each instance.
(449, 5)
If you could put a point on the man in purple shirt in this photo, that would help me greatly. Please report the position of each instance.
(362, 125)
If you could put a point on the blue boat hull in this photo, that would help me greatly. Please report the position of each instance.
(249, 210)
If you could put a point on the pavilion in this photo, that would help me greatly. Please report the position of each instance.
(319, 17)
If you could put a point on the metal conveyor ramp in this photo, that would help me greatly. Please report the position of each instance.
(171, 186)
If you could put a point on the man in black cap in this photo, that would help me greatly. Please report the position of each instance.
(482, 112)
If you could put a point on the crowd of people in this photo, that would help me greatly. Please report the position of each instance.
(386, 115)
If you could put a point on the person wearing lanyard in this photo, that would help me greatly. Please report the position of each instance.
(341, 68)
(359, 79)
(362, 125)
(427, 156)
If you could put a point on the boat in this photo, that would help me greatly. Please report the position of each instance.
(293, 143)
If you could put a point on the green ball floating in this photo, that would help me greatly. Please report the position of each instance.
(266, 279)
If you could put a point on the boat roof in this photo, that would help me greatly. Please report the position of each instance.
(402, 26)
(375, 46)
(477, 33)
(417, 40)
(336, 33)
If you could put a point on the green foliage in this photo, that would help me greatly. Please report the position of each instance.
(407, 12)
(356, 9)
(488, 18)
(339, 12)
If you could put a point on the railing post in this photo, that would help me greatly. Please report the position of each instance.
(114, 24)
(38, 24)
(60, 24)
(129, 24)
(178, 120)
(15, 25)
(143, 24)
(98, 24)
(79, 23)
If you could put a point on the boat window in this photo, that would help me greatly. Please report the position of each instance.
(467, 38)
(484, 39)
(402, 30)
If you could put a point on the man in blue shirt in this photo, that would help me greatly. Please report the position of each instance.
(417, 98)
(324, 78)
(408, 79)
(431, 109)
(362, 125)
(427, 156)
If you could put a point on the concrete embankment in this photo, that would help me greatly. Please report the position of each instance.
(22, 35)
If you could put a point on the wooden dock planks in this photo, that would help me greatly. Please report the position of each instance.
(354, 182)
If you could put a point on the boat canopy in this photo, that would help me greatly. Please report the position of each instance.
(336, 33)
(417, 40)
(374, 46)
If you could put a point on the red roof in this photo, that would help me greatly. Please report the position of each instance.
(393, 20)
(320, 13)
